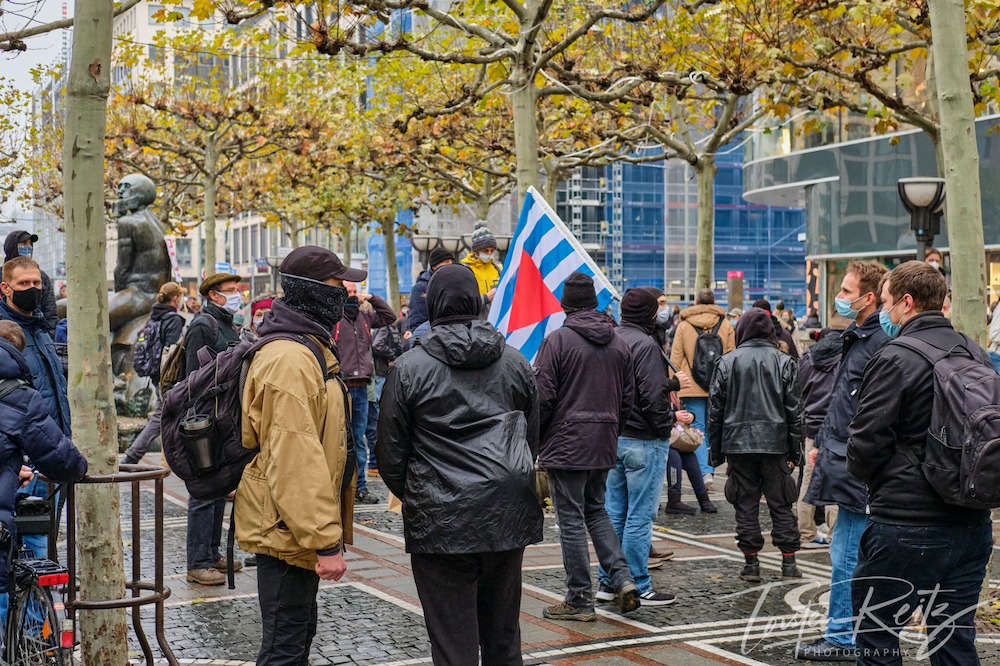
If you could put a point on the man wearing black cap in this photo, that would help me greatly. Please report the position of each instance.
(212, 329)
(457, 438)
(294, 504)
(418, 296)
(785, 341)
(584, 391)
(20, 243)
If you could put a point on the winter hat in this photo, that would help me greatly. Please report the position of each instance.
(264, 303)
(438, 255)
(482, 238)
(578, 293)
(453, 296)
(639, 307)
(755, 323)
(763, 304)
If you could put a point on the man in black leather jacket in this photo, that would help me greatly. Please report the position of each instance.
(755, 424)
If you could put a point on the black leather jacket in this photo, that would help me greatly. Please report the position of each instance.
(754, 404)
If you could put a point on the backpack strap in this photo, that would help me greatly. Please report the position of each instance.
(927, 351)
(8, 386)
(718, 325)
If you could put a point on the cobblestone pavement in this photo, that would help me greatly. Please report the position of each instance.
(373, 615)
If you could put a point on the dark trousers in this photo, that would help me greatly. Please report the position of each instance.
(750, 476)
(287, 611)
(471, 603)
(686, 462)
(148, 435)
(938, 568)
(204, 532)
(371, 434)
(578, 496)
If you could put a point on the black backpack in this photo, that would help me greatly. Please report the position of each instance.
(148, 349)
(707, 350)
(961, 457)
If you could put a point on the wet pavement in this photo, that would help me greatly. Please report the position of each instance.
(373, 615)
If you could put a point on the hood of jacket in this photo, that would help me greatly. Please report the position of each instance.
(473, 345)
(702, 316)
(12, 364)
(283, 319)
(161, 310)
(594, 326)
(826, 352)
(755, 324)
(10, 244)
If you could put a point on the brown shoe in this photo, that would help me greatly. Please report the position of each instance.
(656, 554)
(220, 565)
(564, 611)
(206, 577)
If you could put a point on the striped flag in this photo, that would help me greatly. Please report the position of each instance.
(543, 253)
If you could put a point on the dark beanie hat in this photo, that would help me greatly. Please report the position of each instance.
(763, 304)
(438, 255)
(578, 293)
(639, 307)
(482, 238)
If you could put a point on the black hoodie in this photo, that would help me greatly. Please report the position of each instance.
(48, 304)
(817, 372)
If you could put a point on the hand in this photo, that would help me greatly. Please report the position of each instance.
(812, 457)
(331, 567)
(685, 417)
(364, 298)
(490, 294)
(685, 380)
(25, 475)
(407, 335)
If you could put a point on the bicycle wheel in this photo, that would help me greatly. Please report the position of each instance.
(33, 629)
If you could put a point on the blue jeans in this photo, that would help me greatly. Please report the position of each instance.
(204, 532)
(372, 428)
(359, 426)
(632, 498)
(699, 407)
(938, 568)
(844, 557)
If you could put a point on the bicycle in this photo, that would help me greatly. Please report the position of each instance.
(35, 633)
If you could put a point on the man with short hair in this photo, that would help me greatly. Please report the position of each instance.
(212, 329)
(20, 243)
(294, 505)
(858, 300)
(702, 317)
(917, 551)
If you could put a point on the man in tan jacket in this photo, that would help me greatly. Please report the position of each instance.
(294, 504)
(702, 317)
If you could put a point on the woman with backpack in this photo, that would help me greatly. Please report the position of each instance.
(163, 330)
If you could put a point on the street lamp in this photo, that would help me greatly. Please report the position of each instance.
(451, 243)
(923, 198)
(274, 261)
(423, 244)
(503, 244)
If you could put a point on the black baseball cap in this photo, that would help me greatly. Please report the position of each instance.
(25, 236)
(319, 264)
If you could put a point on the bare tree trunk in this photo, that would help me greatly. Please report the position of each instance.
(552, 176)
(961, 173)
(211, 190)
(525, 130)
(705, 257)
(95, 429)
(345, 245)
(483, 203)
(392, 268)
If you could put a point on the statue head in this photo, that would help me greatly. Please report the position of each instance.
(135, 191)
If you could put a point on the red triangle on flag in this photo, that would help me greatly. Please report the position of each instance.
(532, 301)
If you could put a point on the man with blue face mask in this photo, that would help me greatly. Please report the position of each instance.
(831, 484)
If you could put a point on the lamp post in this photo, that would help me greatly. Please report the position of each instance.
(423, 244)
(923, 198)
(503, 244)
(274, 261)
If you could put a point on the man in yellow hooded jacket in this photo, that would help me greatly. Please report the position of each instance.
(481, 260)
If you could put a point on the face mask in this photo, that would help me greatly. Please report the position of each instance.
(258, 320)
(891, 329)
(27, 300)
(486, 257)
(323, 303)
(663, 316)
(933, 264)
(844, 309)
(25, 250)
(233, 303)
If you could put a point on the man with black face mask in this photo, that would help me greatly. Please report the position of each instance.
(20, 243)
(353, 337)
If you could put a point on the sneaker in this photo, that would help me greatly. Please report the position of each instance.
(750, 573)
(206, 577)
(220, 565)
(605, 593)
(824, 650)
(654, 598)
(365, 497)
(658, 557)
(708, 479)
(564, 611)
(818, 542)
(627, 598)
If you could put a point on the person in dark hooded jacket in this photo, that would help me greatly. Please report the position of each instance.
(784, 339)
(418, 295)
(457, 440)
(20, 243)
(585, 391)
(26, 428)
(755, 420)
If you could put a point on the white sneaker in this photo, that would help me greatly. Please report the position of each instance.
(708, 480)
(818, 542)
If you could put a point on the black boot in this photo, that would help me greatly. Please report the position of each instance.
(788, 567)
(676, 506)
(751, 570)
(706, 504)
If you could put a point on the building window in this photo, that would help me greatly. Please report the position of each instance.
(254, 243)
(182, 247)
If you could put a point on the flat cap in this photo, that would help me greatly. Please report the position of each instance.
(319, 264)
(214, 280)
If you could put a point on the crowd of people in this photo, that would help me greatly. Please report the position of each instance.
(458, 424)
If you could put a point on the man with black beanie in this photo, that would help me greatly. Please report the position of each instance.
(584, 391)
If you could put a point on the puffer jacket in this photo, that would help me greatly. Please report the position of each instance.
(418, 300)
(354, 341)
(694, 320)
(817, 371)
(831, 483)
(487, 274)
(27, 429)
(293, 499)
(754, 404)
(46, 368)
(585, 391)
(457, 439)
(650, 415)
